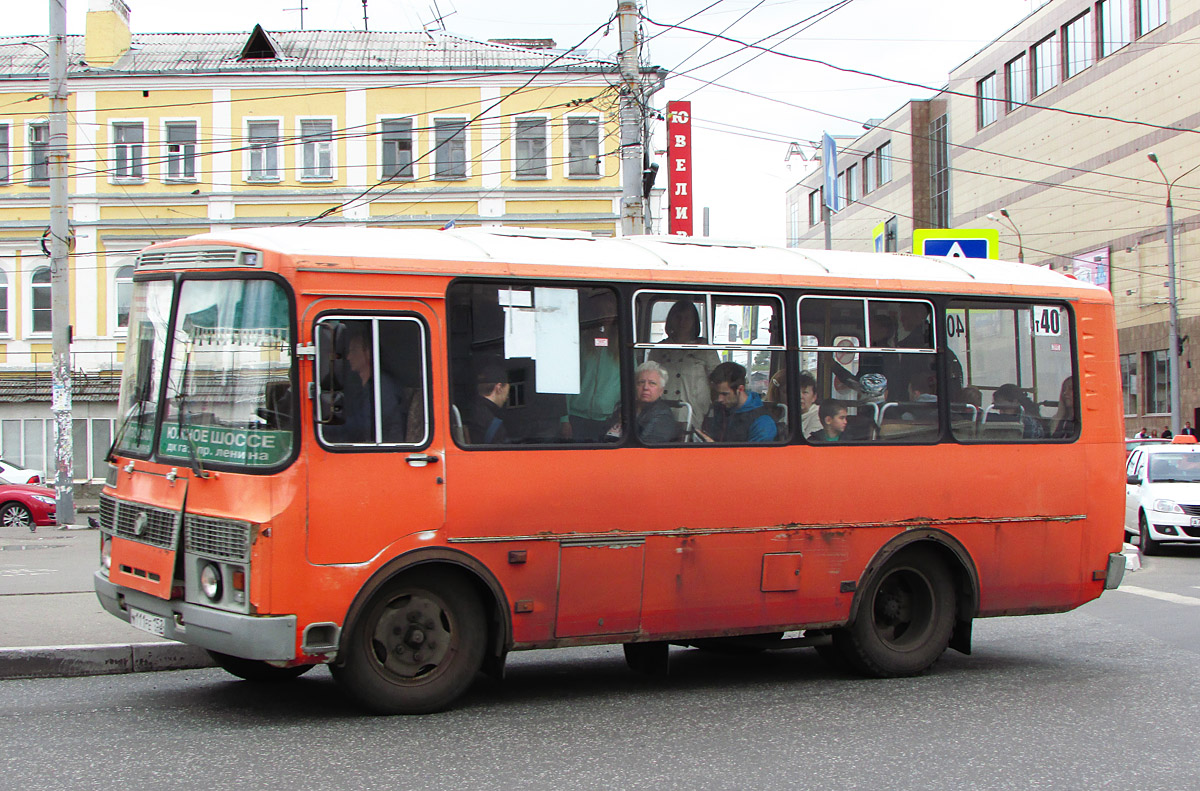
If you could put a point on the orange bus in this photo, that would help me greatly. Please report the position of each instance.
(405, 453)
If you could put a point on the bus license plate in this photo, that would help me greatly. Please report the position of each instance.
(154, 624)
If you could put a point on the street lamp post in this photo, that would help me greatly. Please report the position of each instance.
(1020, 244)
(1173, 350)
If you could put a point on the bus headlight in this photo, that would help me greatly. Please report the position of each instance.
(1167, 506)
(210, 581)
(106, 552)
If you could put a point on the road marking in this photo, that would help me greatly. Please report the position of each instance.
(1174, 598)
(19, 572)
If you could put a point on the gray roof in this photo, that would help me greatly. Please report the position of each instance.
(298, 50)
(36, 387)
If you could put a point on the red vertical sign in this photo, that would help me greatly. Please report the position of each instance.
(679, 155)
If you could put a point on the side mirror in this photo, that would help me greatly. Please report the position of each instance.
(1132, 480)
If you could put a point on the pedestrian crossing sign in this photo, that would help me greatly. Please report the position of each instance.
(957, 242)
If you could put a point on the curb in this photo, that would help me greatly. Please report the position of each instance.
(99, 660)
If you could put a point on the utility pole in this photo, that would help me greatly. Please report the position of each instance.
(632, 147)
(1173, 345)
(60, 284)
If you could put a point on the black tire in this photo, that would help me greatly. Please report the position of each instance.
(905, 617)
(416, 646)
(256, 670)
(1148, 545)
(17, 515)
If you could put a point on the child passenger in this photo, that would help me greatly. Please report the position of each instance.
(833, 423)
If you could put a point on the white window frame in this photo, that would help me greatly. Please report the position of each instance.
(30, 332)
(138, 163)
(414, 126)
(7, 300)
(29, 159)
(547, 168)
(436, 152)
(566, 137)
(5, 153)
(248, 153)
(117, 263)
(328, 147)
(165, 146)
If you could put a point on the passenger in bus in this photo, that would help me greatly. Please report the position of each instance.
(834, 417)
(654, 421)
(689, 368)
(922, 388)
(776, 398)
(1063, 425)
(358, 388)
(810, 418)
(485, 417)
(736, 415)
(589, 411)
(1010, 400)
(916, 329)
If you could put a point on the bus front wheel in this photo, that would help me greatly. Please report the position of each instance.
(416, 646)
(905, 618)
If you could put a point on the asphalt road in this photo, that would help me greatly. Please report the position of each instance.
(1097, 698)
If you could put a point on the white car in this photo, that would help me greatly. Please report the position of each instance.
(12, 473)
(1162, 494)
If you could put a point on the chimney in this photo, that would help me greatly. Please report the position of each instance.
(107, 35)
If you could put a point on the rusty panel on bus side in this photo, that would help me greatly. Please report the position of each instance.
(600, 589)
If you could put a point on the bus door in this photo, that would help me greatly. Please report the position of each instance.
(376, 472)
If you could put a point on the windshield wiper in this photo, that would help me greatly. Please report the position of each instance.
(181, 405)
(140, 408)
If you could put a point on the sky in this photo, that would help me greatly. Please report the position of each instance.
(746, 106)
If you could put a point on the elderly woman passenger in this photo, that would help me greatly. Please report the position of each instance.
(653, 419)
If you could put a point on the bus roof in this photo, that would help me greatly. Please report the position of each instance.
(425, 250)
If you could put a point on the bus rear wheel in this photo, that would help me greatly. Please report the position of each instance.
(256, 670)
(905, 618)
(417, 645)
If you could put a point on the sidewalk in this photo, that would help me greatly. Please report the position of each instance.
(51, 623)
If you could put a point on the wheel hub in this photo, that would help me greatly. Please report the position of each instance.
(412, 637)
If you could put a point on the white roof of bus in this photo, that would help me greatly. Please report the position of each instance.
(658, 253)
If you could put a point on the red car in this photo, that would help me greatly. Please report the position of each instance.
(23, 505)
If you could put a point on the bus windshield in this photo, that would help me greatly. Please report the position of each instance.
(229, 389)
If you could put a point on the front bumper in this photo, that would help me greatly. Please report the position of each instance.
(1166, 526)
(1115, 572)
(271, 638)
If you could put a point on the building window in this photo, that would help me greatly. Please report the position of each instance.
(1150, 14)
(793, 223)
(1016, 82)
(40, 299)
(870, 170)
(814, 207)
(1158, 383)
(3, 304)
(843, 194)
(450, 141)
(1115, 28)
(316, 143)
(884, 157)
(181, 150)
(1045, 64)
(4, 153)
(1129, 380)
(1078, 43)
(264, 150)
(123, 285)
(129, 140)
(985, 98)
(583, 149)
(531, 148)
(852, 184)
(39, 152)
(939, 173)
(397, 153)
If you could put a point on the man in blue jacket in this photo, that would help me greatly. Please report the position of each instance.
(736, 415)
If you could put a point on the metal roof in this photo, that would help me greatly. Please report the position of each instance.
(17, 388)
(298, 50)
(454, 251)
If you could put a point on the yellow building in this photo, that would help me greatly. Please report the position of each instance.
(176, 134)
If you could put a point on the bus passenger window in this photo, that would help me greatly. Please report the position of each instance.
(378, 374)
(1016, 372)
(532, 364)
